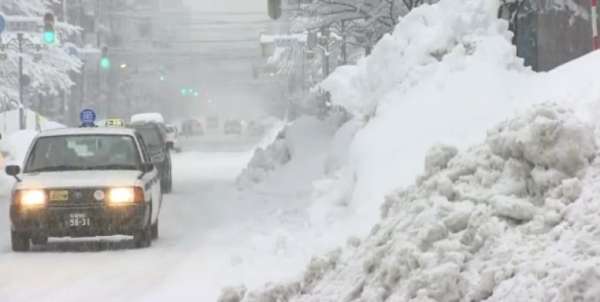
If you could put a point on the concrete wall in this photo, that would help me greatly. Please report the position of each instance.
(561, 37)
(548, 36)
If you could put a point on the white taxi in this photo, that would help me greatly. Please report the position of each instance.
(85, 182)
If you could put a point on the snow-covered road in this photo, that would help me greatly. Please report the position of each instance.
(203, 246)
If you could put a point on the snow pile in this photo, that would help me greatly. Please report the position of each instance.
(448, 73)
(298, 154)
(15, 142)
(501, 221)
(9, 121)
(445, 75)
(15, 145)
(429, 46)
(265, 160)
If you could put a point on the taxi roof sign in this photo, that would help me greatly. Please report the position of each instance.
(114, 122)
(88, 118)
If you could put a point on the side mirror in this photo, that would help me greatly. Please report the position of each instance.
(13, 171)
(147, 167)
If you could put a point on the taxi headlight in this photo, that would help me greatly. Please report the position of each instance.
(32, 198)
(123, 196)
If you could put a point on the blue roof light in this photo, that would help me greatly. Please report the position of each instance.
(88, 118)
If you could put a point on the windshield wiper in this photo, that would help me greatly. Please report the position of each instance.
(114, 167)
(55, 168)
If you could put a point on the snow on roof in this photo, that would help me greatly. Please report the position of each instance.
(147, 117)
(87, 131)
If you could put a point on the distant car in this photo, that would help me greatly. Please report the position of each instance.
(85, 182)
(154, 136)
(192, 127)
(233, 127)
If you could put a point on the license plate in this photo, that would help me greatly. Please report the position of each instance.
(59, 195)
(78, 220)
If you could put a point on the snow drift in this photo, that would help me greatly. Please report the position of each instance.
(448, 73)
(296, 158)
(502, 221)
(445, 75)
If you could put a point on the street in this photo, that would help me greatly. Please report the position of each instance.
(204, 245)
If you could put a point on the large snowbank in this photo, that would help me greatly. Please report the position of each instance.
(446, 75)
(502, 221)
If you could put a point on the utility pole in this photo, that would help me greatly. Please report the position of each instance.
(83, 85)
(22, 121)
(594, 20)
(325, 49)
(344, 43)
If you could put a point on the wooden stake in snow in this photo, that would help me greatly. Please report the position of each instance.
(595, 38)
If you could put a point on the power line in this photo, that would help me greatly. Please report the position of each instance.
(255, 40)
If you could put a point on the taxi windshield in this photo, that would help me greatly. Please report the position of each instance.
(83, 152)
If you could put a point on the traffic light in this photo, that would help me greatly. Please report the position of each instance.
(49, 36)
(105, 60)
(189, 92)
(274, 9)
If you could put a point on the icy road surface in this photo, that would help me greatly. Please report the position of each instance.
(210, 237)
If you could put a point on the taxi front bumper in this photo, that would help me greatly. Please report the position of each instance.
(99, 220)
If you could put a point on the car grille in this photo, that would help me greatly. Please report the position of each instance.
(77, 198)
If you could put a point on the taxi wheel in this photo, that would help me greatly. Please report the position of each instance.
(20, 241)
(155, 230)
(167, 183)
(143, 238)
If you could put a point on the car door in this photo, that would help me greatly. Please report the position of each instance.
(152, 181)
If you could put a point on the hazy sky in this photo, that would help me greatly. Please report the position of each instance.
(229, 5)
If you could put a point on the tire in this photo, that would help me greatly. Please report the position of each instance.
(170, 184)
(154, 232)
(166, 185)
(143, 238)
(167, 180)
(20, 241)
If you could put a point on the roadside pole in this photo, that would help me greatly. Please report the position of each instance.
(22, 121)
(594, 20)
